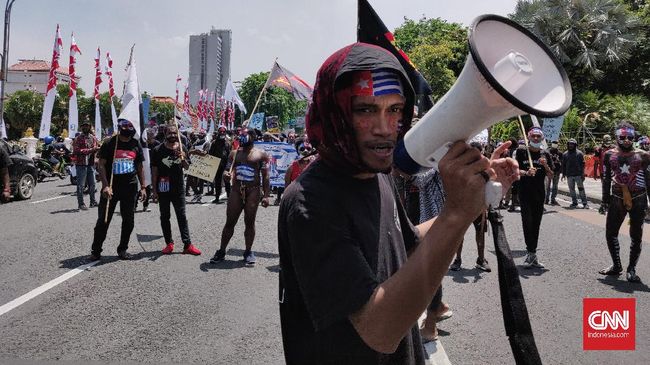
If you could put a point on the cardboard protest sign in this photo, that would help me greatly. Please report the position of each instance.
(204, 167)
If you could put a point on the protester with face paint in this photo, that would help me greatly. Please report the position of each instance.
(625, 187)
(167, 164)
(307, 156)
(348, 294)
(249, 178)
(573, 168)
(122, 157)
(531, 192)
(84, 148)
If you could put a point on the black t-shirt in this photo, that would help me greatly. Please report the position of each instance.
(339, 238)
(532, 183)
(127, 158)
(170, 169)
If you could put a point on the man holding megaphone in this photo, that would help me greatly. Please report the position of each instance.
(355, 273)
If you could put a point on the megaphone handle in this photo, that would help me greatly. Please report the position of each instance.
(493, 193)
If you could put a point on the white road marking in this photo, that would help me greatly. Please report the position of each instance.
(47, 200)
(45, 287)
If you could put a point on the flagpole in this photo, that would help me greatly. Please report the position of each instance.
(263, 89)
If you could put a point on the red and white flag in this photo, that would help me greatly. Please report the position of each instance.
(111, 90)
(199, 109)
(98, 80)
(211, 113)
(186, 100)
(50, 93)
(178, 80)
(73, 109)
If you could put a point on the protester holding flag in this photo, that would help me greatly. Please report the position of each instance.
(348, 294)
(121, 157)
(220, 148)
(167, 164)
(84, 148)
(250, 167)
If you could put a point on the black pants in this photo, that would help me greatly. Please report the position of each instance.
(218, 182)
(532, 209)
(615, 218)
(177, 199)
(126, 195)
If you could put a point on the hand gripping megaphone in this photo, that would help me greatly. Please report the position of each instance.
(508, 72)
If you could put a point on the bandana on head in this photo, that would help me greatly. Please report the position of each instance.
(624, 132)
(535, 130)
(329, 119)
(376, 83)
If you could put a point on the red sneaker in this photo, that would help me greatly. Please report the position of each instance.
(168, 249)
(192, 250)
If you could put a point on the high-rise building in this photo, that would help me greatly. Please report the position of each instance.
(209, 62)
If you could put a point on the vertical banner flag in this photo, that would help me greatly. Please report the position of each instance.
(199, 109)
(131, 97)
(73, 110)
(211, 113)
(50, 94)
(371, 29)
(178, 79)
(186, 100)
(281, 77)
(98, 80)
(111, 90)
(232, 94)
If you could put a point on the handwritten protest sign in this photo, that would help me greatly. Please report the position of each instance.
(204, 167)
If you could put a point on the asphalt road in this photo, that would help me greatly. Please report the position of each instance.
(181, 309)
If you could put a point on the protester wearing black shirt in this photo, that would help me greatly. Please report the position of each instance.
(531, 192)
(220, 148)
(348, 293)
(167, 164)
(126, 169)
(556, 166)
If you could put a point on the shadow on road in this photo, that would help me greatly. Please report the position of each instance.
(71, 210)
(273, 268)
(461, 275)
(75, 262)
(223, 265)
(620, 284)
(526, 272)
(515, 253)
(146, 238)
(240, 253)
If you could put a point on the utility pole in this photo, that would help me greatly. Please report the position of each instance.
(5, 63)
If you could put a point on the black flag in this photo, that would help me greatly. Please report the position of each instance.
(370, 29)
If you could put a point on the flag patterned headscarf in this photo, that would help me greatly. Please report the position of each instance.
(329, 119)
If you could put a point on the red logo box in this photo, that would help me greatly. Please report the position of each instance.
(608, 323)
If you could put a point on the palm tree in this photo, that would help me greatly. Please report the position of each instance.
(589, 37)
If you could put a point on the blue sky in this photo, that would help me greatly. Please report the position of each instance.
(301, 33)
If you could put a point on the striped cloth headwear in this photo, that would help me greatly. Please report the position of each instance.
(376, 83)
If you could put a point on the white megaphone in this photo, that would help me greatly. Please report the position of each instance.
(508, 72)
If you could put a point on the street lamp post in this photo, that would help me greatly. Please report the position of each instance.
(5, 62)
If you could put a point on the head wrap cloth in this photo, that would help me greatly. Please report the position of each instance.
(329, 119)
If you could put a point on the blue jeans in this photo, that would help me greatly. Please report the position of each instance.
(572, 181)
(551, 187)
(85, 174)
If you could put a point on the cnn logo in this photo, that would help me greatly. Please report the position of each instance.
(600, 320)
(608, 323)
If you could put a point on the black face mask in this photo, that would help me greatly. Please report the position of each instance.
(127, 132)
(571, 147)
(171, 139)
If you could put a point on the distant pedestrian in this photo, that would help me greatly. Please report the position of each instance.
(84, 148)
(573, 169)
(5, 162)
(552, 181)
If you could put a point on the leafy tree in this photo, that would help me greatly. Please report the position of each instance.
(164, 111)
(437, 48)
(276, 101)
(23, 109)
(590, 37)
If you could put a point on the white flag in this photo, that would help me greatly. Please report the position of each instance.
(73, 110)
(50, 94)
(232, 94)
(131, 98)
